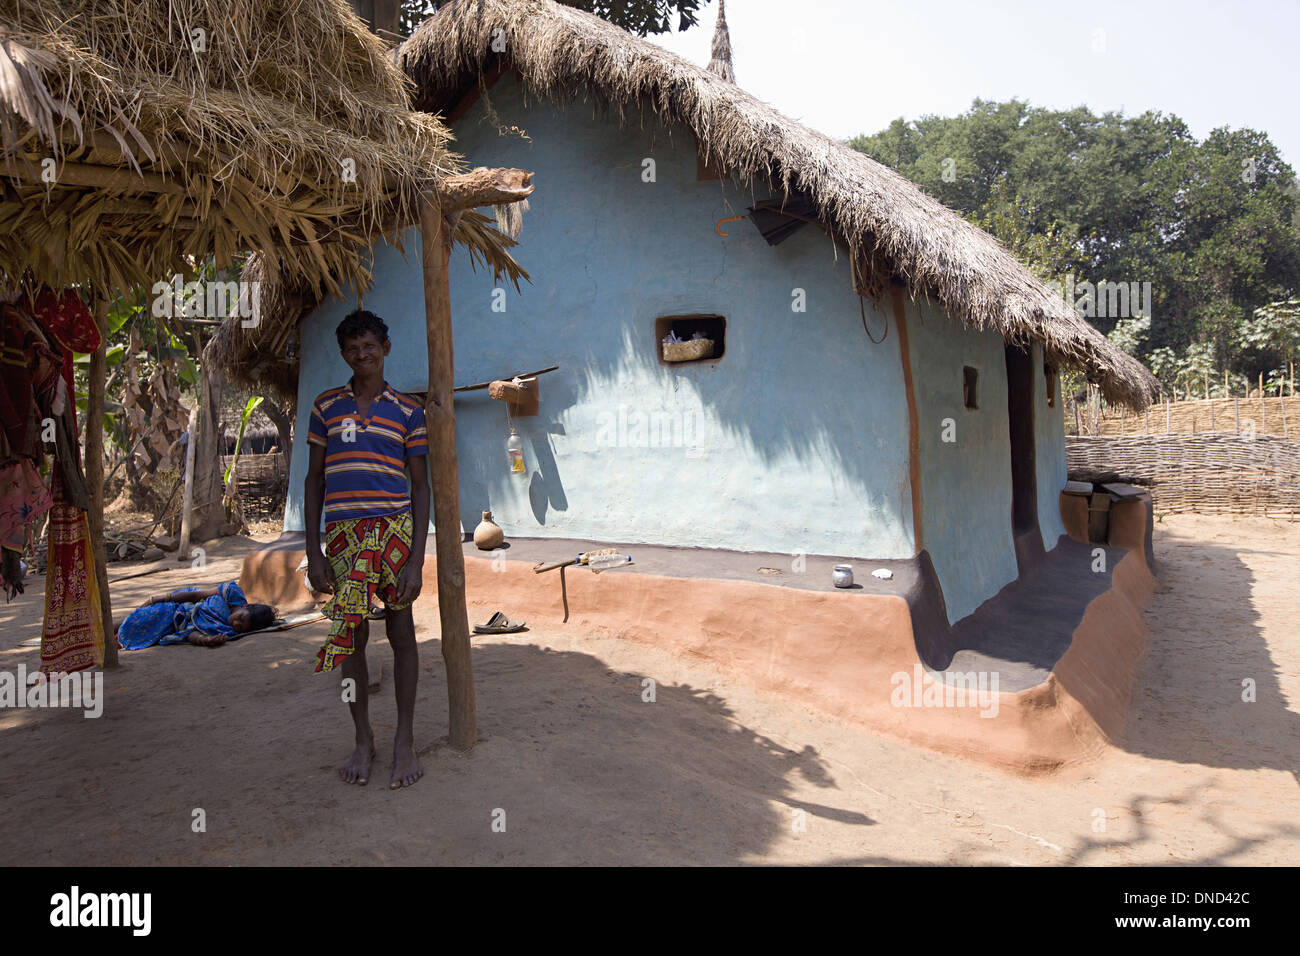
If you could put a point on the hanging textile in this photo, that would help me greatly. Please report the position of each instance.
(29, 385)
(23, 499)
(72, 637)
(68, 319)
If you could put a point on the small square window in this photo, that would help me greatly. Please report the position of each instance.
(969, 378)
(689, 328)
(1049, 375)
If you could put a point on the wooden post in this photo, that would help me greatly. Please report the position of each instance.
(187, 496)
(1207, 388)
(1121, 421)
(1236, 414)
(439, 213)
(1225, 383)
(1146, 421)
(1166, 416)
(207, 506)
(1282, 404)
(440, 418)
(95, 475)
(1263, 408)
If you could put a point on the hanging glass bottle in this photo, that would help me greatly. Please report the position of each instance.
(515, 453)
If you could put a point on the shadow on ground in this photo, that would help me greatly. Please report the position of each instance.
(580, 767)
(1205, 643)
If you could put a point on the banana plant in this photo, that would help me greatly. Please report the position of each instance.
(249, 407)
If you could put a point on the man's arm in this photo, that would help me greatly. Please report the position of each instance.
(411, 580)
(319, 572)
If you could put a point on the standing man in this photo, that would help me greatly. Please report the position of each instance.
(364, 439)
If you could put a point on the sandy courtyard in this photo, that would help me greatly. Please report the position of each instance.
(583, 771)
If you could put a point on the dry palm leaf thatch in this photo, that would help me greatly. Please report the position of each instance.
(258, 356)
(563, 54)
(720, 60)
(137, 138)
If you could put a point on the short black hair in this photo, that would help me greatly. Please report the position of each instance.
(260, 616)
(358, 323)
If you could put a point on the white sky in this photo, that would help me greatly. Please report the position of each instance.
(846, 67)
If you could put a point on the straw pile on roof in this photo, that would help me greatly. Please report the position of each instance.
(720, 59)
(183, 131)
(889, 226)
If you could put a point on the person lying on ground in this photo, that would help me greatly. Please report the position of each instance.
(205, 616)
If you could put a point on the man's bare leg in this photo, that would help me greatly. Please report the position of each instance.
(356, 769)
(400, 626)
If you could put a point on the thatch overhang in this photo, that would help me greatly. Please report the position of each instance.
(138, 139)
(889, 226)
(263, 357)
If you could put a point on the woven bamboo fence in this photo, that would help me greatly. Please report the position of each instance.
(1272, 415)
(262, 482)
(1206, 474)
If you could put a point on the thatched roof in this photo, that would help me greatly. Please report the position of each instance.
(887, 224)
(256, 357)
(720, 53)
(186, 130)
(719, 60)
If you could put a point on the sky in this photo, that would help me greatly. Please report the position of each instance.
(845, 67)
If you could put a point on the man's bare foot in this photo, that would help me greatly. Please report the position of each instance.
(406, 766)
(356, 769)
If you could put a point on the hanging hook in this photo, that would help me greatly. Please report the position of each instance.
(728, 219)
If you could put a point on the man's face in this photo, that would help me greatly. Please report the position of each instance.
(365, 353)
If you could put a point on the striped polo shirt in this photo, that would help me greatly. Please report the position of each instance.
(365, 461)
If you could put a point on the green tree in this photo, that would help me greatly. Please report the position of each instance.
(1214, 225)
(641, 17)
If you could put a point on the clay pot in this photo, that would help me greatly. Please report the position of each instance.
(488, 534)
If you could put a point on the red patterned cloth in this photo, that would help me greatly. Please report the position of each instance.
(72, 637)
(23, 499)
(68, 319)
(366, 556)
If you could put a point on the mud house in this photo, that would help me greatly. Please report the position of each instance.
(881, 382)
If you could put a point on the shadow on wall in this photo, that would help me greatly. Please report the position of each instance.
(484, 468)
(832, 401)
(1187, 705)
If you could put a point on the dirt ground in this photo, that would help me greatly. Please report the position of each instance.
(583, 771)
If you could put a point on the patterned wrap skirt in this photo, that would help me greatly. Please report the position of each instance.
(366, 555)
